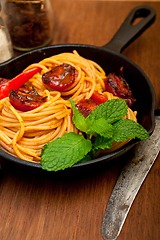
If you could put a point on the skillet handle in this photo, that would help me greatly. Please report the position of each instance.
(128, 32)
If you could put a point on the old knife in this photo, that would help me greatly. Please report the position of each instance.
(129, 182)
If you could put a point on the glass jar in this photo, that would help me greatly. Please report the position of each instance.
(6, 51)
(29, 22)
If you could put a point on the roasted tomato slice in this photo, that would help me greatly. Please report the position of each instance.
(61, 77)
(86, 106)
(119, 87)
(3, 80)
(24, 99)
(99, 98)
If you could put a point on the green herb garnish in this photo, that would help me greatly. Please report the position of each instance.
(105, 124)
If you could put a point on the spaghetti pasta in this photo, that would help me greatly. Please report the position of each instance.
(23, 134)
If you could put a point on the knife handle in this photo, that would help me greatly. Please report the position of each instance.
(142, 157)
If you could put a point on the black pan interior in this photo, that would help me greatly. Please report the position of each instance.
(111, 62)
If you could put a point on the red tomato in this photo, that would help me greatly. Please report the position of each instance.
(119, 87)
(4, 80)
(61, 77)
(86, 106)
(24, 100)
(99, 98)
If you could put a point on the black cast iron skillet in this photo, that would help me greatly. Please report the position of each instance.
(110, 59)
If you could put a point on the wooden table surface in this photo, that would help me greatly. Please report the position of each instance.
(56, 206)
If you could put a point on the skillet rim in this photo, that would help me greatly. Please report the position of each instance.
(111, 156)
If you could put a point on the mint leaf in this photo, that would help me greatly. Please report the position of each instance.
(112, 110)
(101, 127)
(86, 159)
(64, 152)
(123, 129)
(127, 129)
(91, 155)
(102, 142)
(80, 122)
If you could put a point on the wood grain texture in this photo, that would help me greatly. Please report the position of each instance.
(71, 205)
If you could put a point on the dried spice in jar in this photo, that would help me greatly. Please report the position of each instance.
(6, 51)
(30, 23)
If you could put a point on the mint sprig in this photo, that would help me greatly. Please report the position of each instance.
(102, 127)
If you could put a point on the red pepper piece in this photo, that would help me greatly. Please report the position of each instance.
(24, 99)
(61, 77)
(86, 106)
(99, 98)
(17, 81)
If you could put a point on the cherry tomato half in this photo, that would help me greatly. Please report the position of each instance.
(99, 98)
(3, 80)
(119, 87)
(86, 106)
(60, 78)
(24, 99)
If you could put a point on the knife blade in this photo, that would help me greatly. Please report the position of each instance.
(129, 182)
